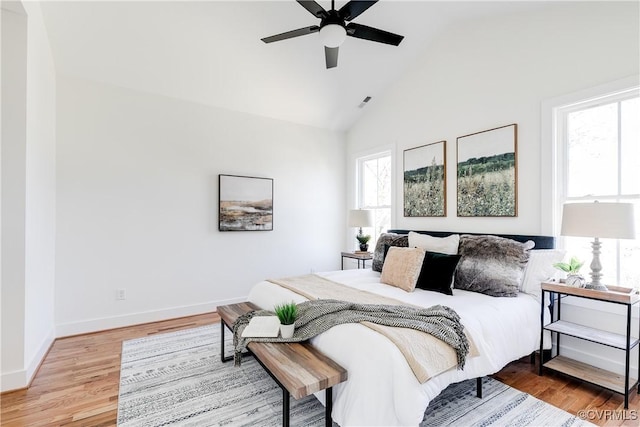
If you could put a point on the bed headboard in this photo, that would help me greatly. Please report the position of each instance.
(542, 242)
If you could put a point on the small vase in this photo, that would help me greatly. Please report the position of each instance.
(364, 247)
(575, 281)
(286, 331)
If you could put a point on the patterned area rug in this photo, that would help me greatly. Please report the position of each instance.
(177, 379)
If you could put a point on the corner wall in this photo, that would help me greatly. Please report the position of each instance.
(28, 193)
(138, 199)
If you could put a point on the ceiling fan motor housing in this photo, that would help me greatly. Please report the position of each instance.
(333, 31)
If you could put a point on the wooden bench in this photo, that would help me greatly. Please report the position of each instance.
(298, 368)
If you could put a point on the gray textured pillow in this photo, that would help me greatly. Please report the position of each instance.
(491, 265)
(386, 239)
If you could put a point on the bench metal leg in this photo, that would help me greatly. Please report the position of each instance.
(285, 407)
(223, 359)
(479, 387)
(328, 407)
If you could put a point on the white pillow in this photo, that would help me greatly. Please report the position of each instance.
(444, 245)
(540, 268)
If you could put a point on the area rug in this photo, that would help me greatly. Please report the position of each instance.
(177, 379)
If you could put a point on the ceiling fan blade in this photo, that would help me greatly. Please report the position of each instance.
(354, 8)
(290, 34)
(373, 34)
(313, 7)
(331, 56)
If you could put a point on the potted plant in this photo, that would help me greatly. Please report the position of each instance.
(287, 314)
(572, 268)
(363, 239)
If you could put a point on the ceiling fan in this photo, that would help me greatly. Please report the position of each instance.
(334, 30)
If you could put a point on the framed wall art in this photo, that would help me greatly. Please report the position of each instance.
(425, 187)
(245, 203)
(487, 173)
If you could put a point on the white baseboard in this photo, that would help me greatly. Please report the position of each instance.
(16, 380)
(20, 379)
(13, 380)
(37, 358)
(104, 323)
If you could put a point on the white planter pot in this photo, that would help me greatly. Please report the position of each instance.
(575, 281)
(287, 330)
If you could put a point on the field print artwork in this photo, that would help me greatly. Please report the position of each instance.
(246, 203)
(425, 190)
(487, 172)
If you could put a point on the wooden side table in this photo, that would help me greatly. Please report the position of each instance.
(625, 342)
(360, 257)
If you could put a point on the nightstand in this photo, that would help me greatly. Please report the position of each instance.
(583, 371)
(361, 257)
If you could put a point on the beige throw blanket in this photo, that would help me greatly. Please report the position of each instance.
(426, 355)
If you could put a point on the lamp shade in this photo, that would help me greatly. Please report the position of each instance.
(602, 220)
(360, 218)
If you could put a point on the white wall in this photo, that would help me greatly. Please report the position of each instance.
(138, 198)
(487, 73)
(28, 193)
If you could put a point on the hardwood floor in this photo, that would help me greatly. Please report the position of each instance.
(77, 384)
(602, 407)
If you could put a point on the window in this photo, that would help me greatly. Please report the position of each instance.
(598, 152)
(374, 191)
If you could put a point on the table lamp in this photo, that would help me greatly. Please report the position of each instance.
(360, 218)
(598, 220)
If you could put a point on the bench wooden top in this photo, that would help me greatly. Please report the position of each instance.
(299, 367)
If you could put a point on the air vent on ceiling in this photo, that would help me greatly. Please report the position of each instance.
(364, 102)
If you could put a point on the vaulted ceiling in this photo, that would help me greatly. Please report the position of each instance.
(210, 52)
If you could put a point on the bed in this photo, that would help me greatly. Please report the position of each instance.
(382, 389)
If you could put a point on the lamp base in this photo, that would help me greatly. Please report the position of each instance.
(597, 287)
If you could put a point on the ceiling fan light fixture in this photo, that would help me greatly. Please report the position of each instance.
(333, 35)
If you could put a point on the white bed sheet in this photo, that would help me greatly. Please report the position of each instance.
(381, 389)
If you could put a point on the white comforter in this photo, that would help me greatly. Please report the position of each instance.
(381, 389)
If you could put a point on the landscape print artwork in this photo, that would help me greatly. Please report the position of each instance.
(487, 173)
(246, 203)
(425, 190)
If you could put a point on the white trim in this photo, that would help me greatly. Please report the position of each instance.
(376, 155)
(13, 380)
(16, 380)
(549, 150)
(354, 190)
(104, 323)
(38, 357)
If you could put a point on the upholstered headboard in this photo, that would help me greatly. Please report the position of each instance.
(542, 242)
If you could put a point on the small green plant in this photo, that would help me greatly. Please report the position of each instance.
(363, 239)
(572, 267)
(287, 313)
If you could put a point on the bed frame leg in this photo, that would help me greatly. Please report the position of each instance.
(479, 387)
(532, 358)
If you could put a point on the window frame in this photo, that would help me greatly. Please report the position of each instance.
(555, 156)
(553, 179)
(358, 199)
